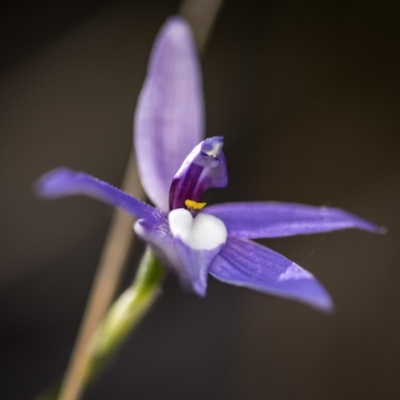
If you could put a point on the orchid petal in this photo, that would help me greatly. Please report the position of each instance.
(169, 116)
(248, 264)
(65, 182)
(198, 241)
(212, 178)
(270, 219)
(203, 168)
(194, 266)
(186, 245)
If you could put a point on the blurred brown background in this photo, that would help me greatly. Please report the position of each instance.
(306, 94)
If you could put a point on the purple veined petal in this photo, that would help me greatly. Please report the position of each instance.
(169, 118)
(203, 168)
(248, 264)
(65, 182)
(194, 266)
(272, 219)
(212, 178)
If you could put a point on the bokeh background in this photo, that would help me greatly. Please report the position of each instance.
(306, 94)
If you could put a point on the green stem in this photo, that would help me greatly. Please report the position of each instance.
(121, 319)
(127, 311)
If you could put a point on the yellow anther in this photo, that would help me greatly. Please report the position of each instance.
(194, 205)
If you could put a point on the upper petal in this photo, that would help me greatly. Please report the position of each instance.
(248, 264)
(271, 219)
(65, 182)
(169, 116)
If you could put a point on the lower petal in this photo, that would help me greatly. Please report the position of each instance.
(190, 264)
(194, 266)
(198, 241)
(65, 182)
(248, 264)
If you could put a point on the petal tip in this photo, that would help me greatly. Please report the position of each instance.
(382, 230)
(175, 21)
(49, 185)
(371, 227)
(176, 28)
(325, 304)
(317, 297)
(200, 289)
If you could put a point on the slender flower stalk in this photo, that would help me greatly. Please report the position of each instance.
(112, 261)
(123, 316)
(127, 311)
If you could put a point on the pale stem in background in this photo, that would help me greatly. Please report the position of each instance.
(109, 272)
(201, 15)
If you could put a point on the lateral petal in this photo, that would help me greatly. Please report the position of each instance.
(65, 182)
(272, 219)
(169, 118)
(248, 264)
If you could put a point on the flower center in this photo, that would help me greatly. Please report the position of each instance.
(204, 232)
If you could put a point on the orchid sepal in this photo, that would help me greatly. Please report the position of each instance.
(254, 220)
(169, 117)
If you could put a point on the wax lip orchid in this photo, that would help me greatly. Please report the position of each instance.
(176, 166)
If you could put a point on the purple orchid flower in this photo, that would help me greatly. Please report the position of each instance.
(177, 166)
